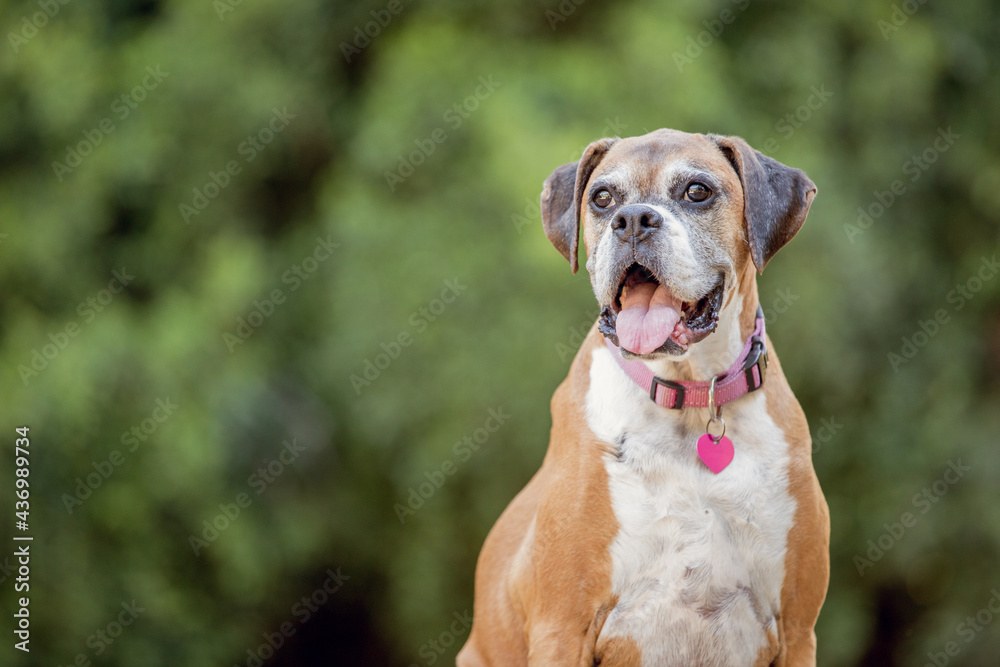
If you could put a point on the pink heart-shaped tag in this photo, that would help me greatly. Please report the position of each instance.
(716, 455)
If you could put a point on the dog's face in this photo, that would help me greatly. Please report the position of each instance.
(670, 221)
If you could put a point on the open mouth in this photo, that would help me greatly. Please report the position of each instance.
(647, 318)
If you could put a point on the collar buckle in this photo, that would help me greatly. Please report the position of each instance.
(756, 357)
(677, 387)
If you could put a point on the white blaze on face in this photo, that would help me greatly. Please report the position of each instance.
(685, 264)
(672, 244)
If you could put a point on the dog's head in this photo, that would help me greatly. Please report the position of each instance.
(670, 221)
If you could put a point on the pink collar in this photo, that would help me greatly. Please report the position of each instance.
(744, 376)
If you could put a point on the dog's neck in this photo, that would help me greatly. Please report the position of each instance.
(716, 353)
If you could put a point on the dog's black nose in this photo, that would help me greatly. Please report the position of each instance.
(635, 222)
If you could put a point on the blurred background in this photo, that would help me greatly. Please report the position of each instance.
(278, 309)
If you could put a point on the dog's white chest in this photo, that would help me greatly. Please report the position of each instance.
(698, 561)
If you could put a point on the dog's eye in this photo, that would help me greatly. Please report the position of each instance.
(603, 199)
(697, 192)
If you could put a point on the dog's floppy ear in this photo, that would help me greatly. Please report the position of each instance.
(776, 198)
(561, 198)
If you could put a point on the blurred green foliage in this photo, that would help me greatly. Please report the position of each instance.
(281, 126)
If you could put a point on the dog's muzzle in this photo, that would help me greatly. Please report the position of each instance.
(646, 318)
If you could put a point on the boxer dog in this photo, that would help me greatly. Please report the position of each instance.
(676, 518)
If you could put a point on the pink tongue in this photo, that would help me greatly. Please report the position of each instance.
(648, 317)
